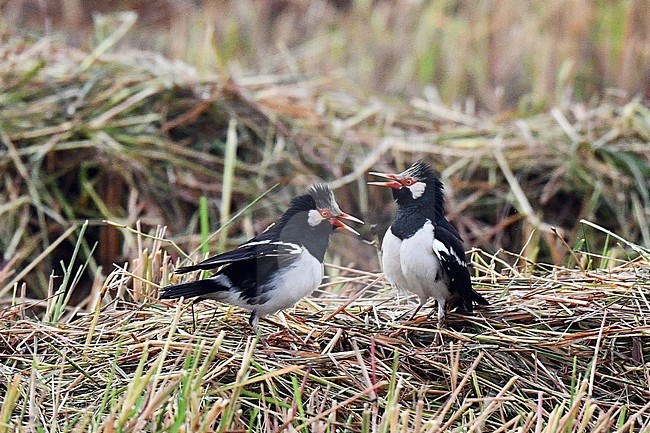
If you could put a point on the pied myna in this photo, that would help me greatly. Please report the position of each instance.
(277, 268)
(422, 252)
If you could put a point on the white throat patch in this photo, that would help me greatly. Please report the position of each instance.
(417, 189)
(314, 218)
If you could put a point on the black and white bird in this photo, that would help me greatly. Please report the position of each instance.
(276, 268)
(422, 252)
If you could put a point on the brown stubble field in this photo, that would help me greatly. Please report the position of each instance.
(542, 146)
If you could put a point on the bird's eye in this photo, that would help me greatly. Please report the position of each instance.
(408, 182)
(325, 213)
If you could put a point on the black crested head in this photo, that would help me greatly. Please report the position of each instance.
(420, 188)
(324, 198)
(294, 225)
(420, 171)
(297, 213)
(301, 203)
(320, 196)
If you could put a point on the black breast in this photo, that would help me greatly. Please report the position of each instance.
(407, 223)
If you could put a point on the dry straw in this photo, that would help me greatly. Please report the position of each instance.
(137, 140)
(557, 350)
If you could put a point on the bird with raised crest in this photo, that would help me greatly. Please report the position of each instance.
(422, 253)
(276, 268)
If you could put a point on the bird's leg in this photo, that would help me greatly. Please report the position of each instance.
(441, 310)
(214, 314)
(415, 311)
(253, 320)
(285, 330)
(418, 308)
(194, 301)
(441, 317)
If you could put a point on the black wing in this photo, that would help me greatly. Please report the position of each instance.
(256, 248)
(449, 250)
(442, 221)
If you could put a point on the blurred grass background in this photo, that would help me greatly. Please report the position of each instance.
(502, 55)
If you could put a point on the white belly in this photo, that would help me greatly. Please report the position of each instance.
(390, 260)
(420, 266)
(292, 283)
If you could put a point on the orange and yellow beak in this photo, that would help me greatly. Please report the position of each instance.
(394, 183)
(336, 222)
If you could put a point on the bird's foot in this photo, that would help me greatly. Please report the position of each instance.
(283, 337)
(439, 340)
(403, 315)
(398, 332)
(413, 313)
(254, 320)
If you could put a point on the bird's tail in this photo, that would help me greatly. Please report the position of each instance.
(192, 289)
(191, 268)
(476, 297)
(466, 303)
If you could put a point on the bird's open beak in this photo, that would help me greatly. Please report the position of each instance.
(336, 222)
(392, 184)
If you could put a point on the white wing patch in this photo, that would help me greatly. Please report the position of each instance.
(250, 244)
(284, 247)
(440, 248)
(295, 248)
(458, 259)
